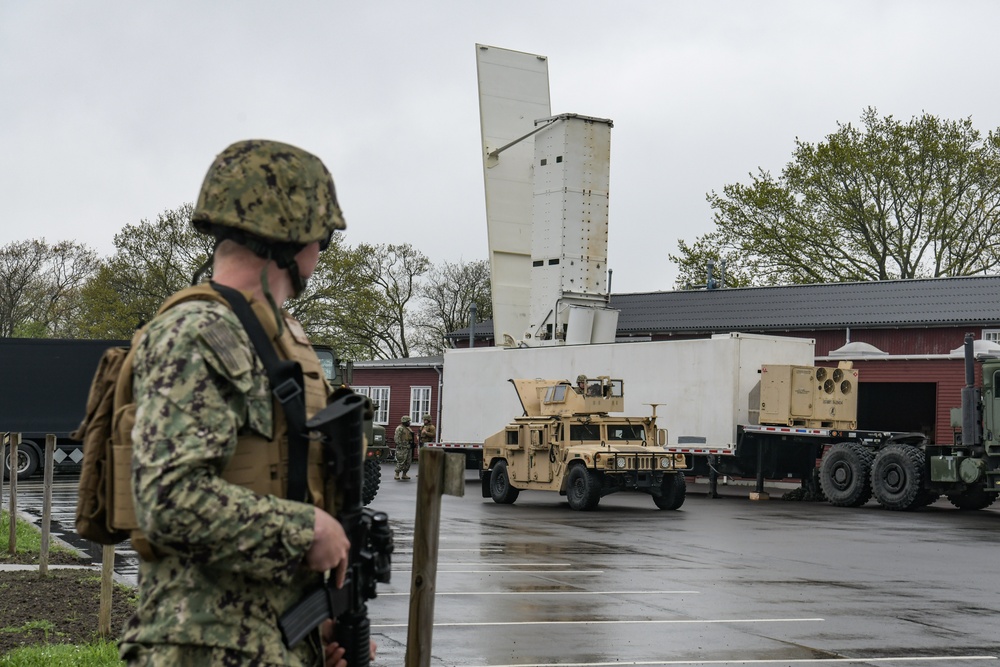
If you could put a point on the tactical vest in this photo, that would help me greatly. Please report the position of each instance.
(258, 463)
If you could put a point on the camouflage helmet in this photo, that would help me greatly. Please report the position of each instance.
(427, 418)
(405, 419)
(580, 379)
(269, 191)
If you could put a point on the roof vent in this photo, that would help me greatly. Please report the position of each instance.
(980, 348)
(858, 351)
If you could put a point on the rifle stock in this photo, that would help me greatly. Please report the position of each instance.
(340, 427)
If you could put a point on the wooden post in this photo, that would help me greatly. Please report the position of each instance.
(439, 473)
(50, 451)
(15, 440)
(107, 581)
(3, 458)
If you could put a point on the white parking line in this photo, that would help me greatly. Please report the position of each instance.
(615, 622)
(520, 571)
(792, 661)
(477, 562)
(526, 593)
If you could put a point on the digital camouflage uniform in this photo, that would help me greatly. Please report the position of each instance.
(230, 559)
(403, 438)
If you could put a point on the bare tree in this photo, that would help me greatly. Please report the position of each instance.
(446, 295)
(40, 286)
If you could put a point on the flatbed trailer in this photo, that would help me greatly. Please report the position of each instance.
(786, 452)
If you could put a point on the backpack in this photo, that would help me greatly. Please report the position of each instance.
(93, 515)
(105, 512)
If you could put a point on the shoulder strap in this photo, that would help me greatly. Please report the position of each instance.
(287, 386)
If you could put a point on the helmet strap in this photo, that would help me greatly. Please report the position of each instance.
(206, 265)
(270, 299)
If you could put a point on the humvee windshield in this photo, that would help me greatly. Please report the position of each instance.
(626, 432)
(585, 432)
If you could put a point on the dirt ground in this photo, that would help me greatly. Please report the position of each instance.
(61, 608)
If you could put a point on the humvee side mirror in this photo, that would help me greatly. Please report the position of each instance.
(661, 437)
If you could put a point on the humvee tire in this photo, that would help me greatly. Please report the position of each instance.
(672, 492)
(583, 488)
(500, 489)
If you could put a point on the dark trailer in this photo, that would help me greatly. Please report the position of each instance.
(44, 384)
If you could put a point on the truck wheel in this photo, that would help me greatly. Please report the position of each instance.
(500, 489)
(583, 488)
(897, 477)
(845, 475)
(28, 460)
(373, 477)
(973, 498)
(672, 492)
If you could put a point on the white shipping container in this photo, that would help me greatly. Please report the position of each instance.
(701, 386)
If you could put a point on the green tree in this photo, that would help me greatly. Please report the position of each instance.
(390, 275)
(337, 297)
(41, 287)
(885, 201)
(445, 297)
(153, 259)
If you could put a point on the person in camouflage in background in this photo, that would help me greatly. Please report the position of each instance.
(403, 437)
(231, 559)
(427, 432)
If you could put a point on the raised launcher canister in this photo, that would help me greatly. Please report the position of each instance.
(811, 396)
(558, 398)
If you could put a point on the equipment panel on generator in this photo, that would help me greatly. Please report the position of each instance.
(813, 396)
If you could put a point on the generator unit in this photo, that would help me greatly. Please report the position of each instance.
(812, 396)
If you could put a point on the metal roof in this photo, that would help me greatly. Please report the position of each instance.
(405, 362)
(929, 302)
(882, 304)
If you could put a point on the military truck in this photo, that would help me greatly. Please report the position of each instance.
(567, 441)
(908, 472)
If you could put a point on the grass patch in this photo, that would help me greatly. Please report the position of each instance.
(100, 653)
(29, 540)
(28, 537)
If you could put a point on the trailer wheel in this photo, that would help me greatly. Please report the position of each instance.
(898, 476)
(373, 477)
(672, 492)
(845, 475)
(583, 488)
(500, 489)
(973, 498)
(28, 460)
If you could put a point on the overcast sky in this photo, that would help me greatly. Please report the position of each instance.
(110, 112)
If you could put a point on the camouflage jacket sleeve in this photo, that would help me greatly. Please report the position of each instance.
(191, 402)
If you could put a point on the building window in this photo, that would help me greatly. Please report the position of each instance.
(420, 403)
(992, 335)
(380, 398)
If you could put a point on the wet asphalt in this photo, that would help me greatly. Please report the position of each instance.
(724, 581)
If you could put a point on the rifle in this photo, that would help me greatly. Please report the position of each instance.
(369, 562)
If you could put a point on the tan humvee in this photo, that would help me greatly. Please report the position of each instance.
(567, 442)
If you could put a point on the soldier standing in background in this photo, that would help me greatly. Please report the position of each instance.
(210, 456)
(404, 447)
(427, 432)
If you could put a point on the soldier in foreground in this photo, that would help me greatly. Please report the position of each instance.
(210, 470)
(403, 437)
